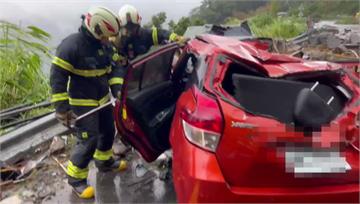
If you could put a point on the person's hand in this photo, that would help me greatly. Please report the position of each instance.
(66, 118)
(182, 40)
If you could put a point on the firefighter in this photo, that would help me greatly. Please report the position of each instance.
(135, 40)
(84, 68)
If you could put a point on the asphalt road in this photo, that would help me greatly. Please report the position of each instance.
(135, 185)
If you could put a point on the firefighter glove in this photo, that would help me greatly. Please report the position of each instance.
(67, 118)
(118, 95)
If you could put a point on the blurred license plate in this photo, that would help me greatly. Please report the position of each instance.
(315, 162)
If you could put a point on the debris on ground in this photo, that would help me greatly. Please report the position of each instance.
(324, 41)
(12, 200)
(11, 174)
(42, 175)
(120, 149)
(40, 185)
(57, 145)
(140, 169)
(28, 166)
(165, 165)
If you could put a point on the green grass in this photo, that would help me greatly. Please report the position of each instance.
(265, 25)
(21, 54)
(232, 21)
(36, 112)
(347, 20)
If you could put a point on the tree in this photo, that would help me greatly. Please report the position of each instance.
(157, 20)
(217, 11)
(324, 9)
(197, 22)
(172, 25)
(182, 25)
(184, 22)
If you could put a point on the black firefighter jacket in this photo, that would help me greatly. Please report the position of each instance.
(82, 71)
(139, 44)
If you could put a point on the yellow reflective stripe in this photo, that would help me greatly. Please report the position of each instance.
(103, 155)
(89, 102)
(173, 37)
(83, 102)
(155, 35)
(62, 63)
(81, 72)
(124, 114)
(59, 97)
(116, 80)
(104, 99)
(76, 172)
(91, 73)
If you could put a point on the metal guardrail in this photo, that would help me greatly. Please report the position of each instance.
(17, 111)
(19, 123)
(19, 143)
(14, 108)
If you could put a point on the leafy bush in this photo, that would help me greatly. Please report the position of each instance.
(232, 21)
(21, 78)
(261, 20)
(184, 22)
(277, 27)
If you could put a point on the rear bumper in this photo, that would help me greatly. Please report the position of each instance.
(197, 178)
(196, 190)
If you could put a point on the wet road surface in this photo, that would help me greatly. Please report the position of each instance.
(140, 183)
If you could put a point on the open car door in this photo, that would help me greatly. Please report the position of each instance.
(144, 115)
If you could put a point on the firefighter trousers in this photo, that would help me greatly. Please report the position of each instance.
(94, 139)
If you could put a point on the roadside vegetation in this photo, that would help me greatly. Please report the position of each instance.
(21, 54)
(22, 81)
(266, 25)
(36, 112)
(268, 18)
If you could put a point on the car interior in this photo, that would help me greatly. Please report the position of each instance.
(291, 99)
(153, 90)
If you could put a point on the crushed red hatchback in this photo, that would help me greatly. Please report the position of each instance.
(245, 125)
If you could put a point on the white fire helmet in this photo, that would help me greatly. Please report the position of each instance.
(101, 22)
(129, 14)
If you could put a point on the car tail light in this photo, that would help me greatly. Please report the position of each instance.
(356, 143)
(203, 126)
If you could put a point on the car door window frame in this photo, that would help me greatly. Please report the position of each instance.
(143, 60)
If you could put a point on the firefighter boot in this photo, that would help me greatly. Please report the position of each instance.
(111, 165)
(81, 188)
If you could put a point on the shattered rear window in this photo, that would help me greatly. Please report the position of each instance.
(289, 100)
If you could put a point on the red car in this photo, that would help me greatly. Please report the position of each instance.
(245, 125)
